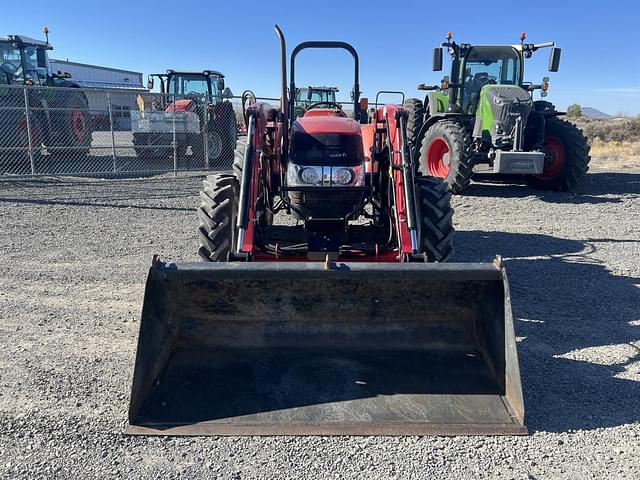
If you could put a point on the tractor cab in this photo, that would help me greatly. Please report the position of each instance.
(487, 65)
(311, 98)
(199, 87)
(25, 61)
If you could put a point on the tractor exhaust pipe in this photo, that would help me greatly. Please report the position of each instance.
(284, 101)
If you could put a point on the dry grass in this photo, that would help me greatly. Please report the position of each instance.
(615, 142)
(615, 155)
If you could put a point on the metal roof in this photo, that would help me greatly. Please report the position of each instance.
(21, 39)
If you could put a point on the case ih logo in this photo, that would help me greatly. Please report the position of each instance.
(337, 154)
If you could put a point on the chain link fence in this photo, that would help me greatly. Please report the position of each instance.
(58, 131)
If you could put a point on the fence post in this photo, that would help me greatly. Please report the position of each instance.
(175, 143)
(29, 139)
(113, 136)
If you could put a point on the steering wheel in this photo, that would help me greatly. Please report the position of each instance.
(8, 67)
(314, 105)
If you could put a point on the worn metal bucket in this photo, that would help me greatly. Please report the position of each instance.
(299, 349)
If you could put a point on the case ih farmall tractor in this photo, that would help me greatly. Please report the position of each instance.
(337, 316)
(483, 113)
(58, 123)
(194, 105)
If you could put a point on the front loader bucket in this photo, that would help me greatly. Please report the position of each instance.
(299, 349)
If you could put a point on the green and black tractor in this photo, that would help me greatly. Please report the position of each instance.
(483, 117)
(58, 124)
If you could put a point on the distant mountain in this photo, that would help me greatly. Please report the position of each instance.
(594, 113)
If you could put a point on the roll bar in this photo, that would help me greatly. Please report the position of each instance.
(288, 111)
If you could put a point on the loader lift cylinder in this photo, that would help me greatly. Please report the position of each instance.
(245, 184)
(409, 187)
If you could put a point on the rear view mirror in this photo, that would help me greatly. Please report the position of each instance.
(437, 59)
(226, 93)
(554, 59)
(221, 84)
(150, 83)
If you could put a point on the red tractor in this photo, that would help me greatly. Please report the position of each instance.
(350, 186)
(338, 321)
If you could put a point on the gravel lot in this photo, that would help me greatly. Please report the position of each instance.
(75, 253)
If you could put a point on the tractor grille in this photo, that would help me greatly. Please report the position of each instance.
(507, 104)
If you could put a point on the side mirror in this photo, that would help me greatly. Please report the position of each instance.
(227, 93)
(554, 59)
(309, 93)
(221, 84)
(437, 59)
(150, 83)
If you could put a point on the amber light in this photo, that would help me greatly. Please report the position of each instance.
(545, 86)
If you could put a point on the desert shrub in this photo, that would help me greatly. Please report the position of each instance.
(610, 129)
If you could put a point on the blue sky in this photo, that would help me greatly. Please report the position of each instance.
(599, 61)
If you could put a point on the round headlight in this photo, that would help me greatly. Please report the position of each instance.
(343, 176)
(311, 175)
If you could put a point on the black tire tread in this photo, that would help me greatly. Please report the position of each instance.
(436, 216)
(577, 158)
(216, 216)
(415, 109)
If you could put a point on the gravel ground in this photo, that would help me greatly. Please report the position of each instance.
(75, 254)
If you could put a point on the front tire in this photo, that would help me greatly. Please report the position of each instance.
(415, 109)
(567, 157)
(433, 205)
(443, 154)
(217, 215)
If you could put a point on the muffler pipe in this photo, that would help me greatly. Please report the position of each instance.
(284, 100)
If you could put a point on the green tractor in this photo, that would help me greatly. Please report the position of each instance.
(59, 121)
(484, 115)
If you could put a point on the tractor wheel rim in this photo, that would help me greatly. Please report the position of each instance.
(78, 126)
(439, 158)
(215, 145)
(555, 149)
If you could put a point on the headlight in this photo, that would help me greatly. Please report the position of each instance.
(311, 176)
(342, 176)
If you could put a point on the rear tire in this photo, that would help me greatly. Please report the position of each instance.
(433, 202)
(217, 215)
(415, 109)
(569, 151)
(443, 154)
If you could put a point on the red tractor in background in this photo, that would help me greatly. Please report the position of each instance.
(341, 324)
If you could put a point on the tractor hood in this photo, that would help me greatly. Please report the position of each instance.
(498, 109)
(325, 124)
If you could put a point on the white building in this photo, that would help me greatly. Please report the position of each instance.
(127, 83)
